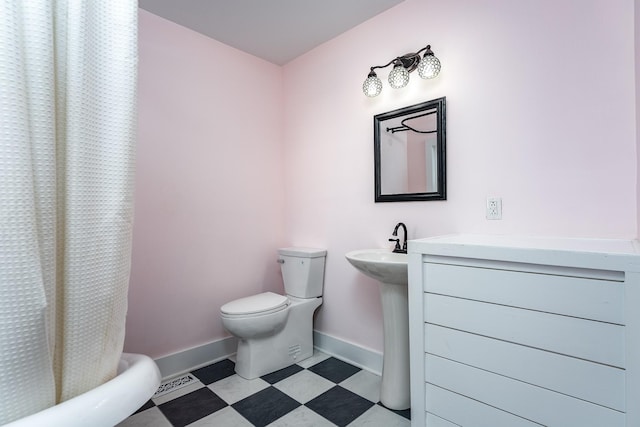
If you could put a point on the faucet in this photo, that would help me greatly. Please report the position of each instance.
(398, 249)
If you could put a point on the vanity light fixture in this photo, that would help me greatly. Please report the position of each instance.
(428, 67)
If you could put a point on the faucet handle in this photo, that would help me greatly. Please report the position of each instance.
(397, 248)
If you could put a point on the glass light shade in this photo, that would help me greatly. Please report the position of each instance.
(429, 67)
(398, 77)
(372, 86)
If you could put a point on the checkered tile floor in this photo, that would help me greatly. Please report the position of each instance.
(319, 391)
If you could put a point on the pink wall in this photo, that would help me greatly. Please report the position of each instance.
(541, 112)
(540, 104)
(209, 191)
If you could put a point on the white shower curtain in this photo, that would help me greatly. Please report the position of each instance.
(67, 132)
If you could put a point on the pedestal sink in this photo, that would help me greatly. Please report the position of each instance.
(390, 269)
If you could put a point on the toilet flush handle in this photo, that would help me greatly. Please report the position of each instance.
(280, 261)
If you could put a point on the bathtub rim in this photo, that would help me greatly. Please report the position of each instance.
(107, 404)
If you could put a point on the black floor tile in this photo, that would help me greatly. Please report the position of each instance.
(265, 406)
(405, 413)
(276, 376)
(146, 406)
(334, 370)
(339, 405)
(215, 372)
(191, 407)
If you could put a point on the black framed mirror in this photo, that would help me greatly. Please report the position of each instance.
(409, 156)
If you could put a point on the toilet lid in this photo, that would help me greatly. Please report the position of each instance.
(267, 301)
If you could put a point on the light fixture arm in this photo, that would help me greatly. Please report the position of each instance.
(384, 66)
(408, 60)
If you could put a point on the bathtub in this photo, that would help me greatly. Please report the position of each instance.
(104, 406)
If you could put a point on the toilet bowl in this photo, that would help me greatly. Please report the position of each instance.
(256, 316)
(275, 331)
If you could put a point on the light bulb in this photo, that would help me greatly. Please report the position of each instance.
(398, 77)
(429, 66)
(372, 86)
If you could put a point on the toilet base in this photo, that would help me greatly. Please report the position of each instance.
(260, 356)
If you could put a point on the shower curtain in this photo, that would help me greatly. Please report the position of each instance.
(67, 131)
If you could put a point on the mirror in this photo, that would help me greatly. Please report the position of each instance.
(409, 153)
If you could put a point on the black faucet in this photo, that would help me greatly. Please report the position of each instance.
(398, 249)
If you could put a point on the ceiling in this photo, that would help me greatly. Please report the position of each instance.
(275, 30)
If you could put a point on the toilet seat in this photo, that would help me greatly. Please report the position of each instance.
(255, 305)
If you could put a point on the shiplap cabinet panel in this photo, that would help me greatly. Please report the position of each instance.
(594, 299)
(596, 341)
(435, 421)
(593, 382)
(525, 331)
(462, 411)
(537, 404)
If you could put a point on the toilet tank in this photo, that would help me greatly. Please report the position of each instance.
(302, 271)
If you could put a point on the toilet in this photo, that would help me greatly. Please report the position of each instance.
(275, 331)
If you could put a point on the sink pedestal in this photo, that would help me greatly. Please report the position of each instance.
(394, 391)
(390, 270)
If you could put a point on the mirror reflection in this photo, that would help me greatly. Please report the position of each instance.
(410, 153)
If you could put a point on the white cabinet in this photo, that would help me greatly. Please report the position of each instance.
(513, 331)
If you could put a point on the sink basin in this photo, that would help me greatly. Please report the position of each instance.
(380, 264)
(390, 269)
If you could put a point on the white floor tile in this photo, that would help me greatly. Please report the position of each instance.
(177, 393)
(301, 417)
(151, 417)
(317, 357)
(304, 386)
(227, 417)
(235, 388)
(365, 384)
(377, 416)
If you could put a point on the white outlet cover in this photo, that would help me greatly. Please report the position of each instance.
(494, 208)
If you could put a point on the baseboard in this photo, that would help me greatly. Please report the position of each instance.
(203, 355)
(196, 357)
(354, 354)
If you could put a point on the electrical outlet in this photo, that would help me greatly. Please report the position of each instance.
(494, 208)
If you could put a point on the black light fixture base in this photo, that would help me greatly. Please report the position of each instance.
(409, 61)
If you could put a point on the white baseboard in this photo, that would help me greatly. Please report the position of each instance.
(354, 354)
(196, 357)
(203, 355)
